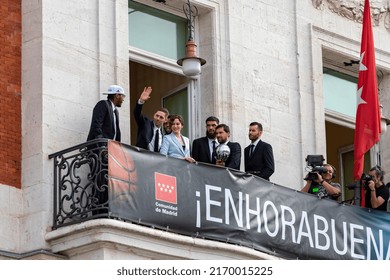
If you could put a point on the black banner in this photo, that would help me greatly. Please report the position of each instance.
(217, 203)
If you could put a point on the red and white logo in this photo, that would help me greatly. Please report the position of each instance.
(165, 187)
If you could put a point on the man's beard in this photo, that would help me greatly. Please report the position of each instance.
(211, 136)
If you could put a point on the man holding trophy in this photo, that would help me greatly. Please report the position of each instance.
(228, 153)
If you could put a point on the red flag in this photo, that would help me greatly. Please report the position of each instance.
(165, 187)
(368, 116)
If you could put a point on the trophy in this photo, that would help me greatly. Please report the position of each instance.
(222, 152)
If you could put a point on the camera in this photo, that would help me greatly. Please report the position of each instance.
(366, 178)
(315, 164)
(316, 170)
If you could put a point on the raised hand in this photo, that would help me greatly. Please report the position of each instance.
(145, 95)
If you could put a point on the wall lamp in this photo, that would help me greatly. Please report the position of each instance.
(384, 120)
(191, 63)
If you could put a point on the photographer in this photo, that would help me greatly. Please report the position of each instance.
(376, 193)
(322, 184)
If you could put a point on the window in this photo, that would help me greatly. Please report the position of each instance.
(346, 179)
(157, 39)
(340, 92)
(157, 31)
(177, 103)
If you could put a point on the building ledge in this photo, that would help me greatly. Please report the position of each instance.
(114, 239)
(32, 255)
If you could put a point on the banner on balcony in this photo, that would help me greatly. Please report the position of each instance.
(225, 205)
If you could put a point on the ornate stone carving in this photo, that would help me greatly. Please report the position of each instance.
(317, 4)
(353, 9)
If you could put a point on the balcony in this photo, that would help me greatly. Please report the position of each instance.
(113, 200)
(80, 183)
(84, 226)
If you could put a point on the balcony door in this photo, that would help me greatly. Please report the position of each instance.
(157, 38)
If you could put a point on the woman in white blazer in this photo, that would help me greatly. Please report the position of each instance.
(175, 144)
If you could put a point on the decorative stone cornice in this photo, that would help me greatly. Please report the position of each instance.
(353, 9)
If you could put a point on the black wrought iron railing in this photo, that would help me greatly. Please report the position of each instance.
(80, 183)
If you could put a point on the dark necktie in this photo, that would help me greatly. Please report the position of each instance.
(116, 124)
(251, 150)
(156, 140)
(213, 153)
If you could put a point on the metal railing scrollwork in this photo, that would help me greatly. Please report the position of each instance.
(80, 183)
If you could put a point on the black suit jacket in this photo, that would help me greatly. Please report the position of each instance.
(234, 159)
(261, 162)
(145, 127)
(102, 123)
(201, 150)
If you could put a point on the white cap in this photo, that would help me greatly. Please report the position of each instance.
(114, 89)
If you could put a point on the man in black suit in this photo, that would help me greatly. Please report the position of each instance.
(203, 149)
(104, 124)
(258, 156)
(149, 134)
(105, 116)
(234, 159)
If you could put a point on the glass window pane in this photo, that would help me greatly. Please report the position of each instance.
(177, 104)
(156, 31)
(347, 162)
(340, 92)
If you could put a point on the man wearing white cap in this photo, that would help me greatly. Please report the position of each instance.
(104, 124)
(105, 116)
